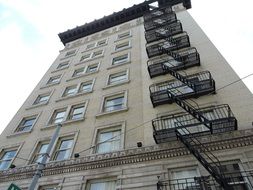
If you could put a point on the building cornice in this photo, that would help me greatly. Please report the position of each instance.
(114, 19)
(219, 142)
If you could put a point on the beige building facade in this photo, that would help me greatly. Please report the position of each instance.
(139, 99)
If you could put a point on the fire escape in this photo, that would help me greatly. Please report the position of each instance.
(169, 52)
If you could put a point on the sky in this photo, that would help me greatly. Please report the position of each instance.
(29, 41)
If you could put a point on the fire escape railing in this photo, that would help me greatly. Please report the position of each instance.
(168, 45)
(165, 38)
(186, 87)
(181, 59)
(242, 180)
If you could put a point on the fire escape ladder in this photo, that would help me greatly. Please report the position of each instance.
(202, 153)
(191, 110)
(180, 77)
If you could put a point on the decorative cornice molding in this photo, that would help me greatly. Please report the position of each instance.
(173, 149)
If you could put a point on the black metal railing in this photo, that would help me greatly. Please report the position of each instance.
(188, 87)
(160, 21)
(220, 118)
(237, 181)
(156, 13)
(167, 45)
(164, 32)
(184, 58)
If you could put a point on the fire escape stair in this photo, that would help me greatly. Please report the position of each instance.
(193, 144)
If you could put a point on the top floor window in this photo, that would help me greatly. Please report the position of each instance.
(69, 53)
(124, 35)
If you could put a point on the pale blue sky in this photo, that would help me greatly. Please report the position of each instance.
(29, 41)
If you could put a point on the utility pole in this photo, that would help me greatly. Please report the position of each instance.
(41, 165)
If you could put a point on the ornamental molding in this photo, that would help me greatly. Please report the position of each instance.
(218, 142)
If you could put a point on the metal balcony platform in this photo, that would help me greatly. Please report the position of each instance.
(164, 32)
(220, 118)
(183, 59)
(160, 21)
(168, 45)
(201, 84)
(156, 13)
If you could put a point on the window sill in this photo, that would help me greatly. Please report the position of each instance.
(90, 59)
(117, 84)
(118, 65)
(123, 49)
(83, 75)
(51, 126)
(56, 70)
(112, 112)
(49, 85)
(19, 133)
(73, 96)
(36, 105)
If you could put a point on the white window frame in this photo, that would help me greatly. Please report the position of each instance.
(66, 65)
(124, 35)
(22, 121)
(127, 60)
(68, 110)
(103, 40)
(85, 59)
(124, 45)
(111, 96)
(54, 83)
(121, 125)
(37, 102)
(94, 56)
(101, 180)
(71, 54)
(5, 150)
(108, 84)
(91, 46)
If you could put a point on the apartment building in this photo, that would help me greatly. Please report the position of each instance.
(143, 99)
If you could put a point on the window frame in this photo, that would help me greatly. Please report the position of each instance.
(121, 125)
(83, 72)
(65, 94)
(100, 180)
(108, 82)
(125, 61)
(90, 65)
(124, 35)
(59, 67)
(111, 96)
(53, 115)
(4, 151)
(36, 152)
(70, 53)
(37, 102)
(94, 56)
(124, 45)
(92, 82)
(49, 82)
(21, 123)
(73, 107)
(56, 149)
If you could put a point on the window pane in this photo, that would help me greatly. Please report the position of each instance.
(62, 155)
(84, 57)
(43, 98)
(66, 144)
(59, 116)
(9, 155)
(118, 78)
(70, 91)
(92, 68)
(86, 87)
(79, 72)
(4, 165)
(120, 59)
(108, 141)
(29, 122)
(109, 185)
(77, 113)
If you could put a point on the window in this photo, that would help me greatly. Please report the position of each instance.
(102, 185)
(122, 46)
(42, 99)
(92, 68)
(58, 116)
(97, 53)
(117, 78)
(120, 59)
(63, 150)
(114, 103)
(86, 86)
(79, 72)
(6, 159)
(124, 35)
(184, 179)
(101, 42)
(69, 53)
(41, 150)
(49, 187)
(85, 57)
(63, 65)
(108, 140)
(54, 79)
(90, 46)
(70, 91)
(26, 124)
(77, 112)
